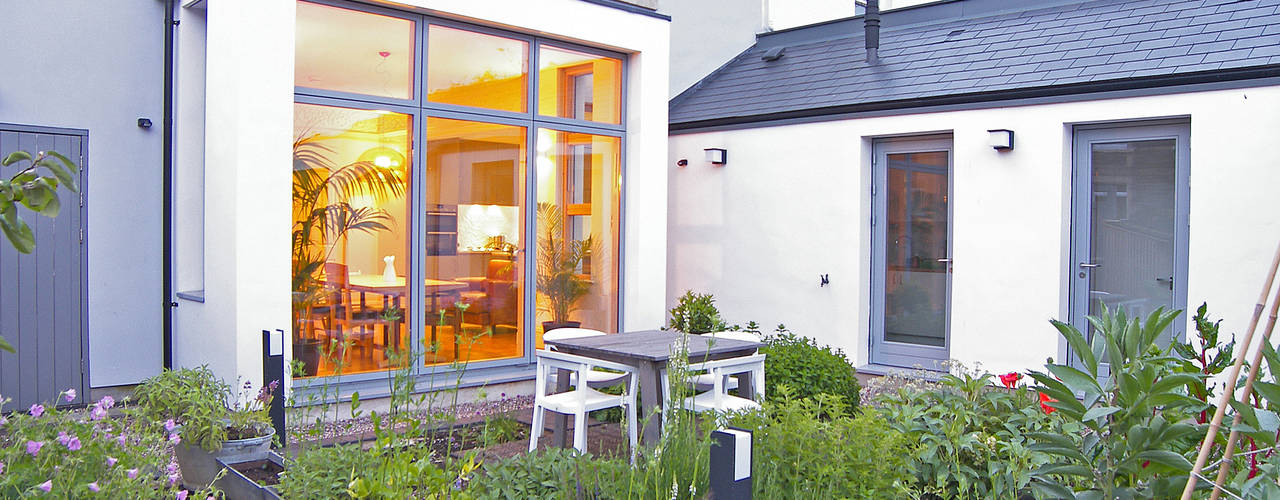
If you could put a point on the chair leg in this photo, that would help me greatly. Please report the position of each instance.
(631, 428)
(536, 429)
(580, 431)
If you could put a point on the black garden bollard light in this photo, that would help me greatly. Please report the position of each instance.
(273, 370)
(730, 470)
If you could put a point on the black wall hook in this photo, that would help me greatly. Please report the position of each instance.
(825, 280)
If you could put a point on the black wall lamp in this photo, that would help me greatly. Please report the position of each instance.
(716, 156)
(1000, 139)
(682, 163)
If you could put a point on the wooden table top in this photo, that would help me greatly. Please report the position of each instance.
(652, 345)
(375, 283)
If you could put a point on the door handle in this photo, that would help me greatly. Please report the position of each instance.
(1089, 265)
(1168, 280)
(944, 260)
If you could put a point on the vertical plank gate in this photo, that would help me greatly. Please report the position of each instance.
(43, 309)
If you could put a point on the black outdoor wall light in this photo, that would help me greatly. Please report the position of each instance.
(1000, 139)
(716, 156)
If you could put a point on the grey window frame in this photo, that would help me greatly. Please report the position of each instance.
(423, 109)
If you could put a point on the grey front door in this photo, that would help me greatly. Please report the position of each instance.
(42, 305)
(911, 252)
(1129, 227)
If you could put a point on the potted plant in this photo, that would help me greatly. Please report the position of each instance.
(322, 216)
(193, 404)
(560, 260)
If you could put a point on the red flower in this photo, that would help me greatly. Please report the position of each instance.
(1044, 403)
(1010, 379)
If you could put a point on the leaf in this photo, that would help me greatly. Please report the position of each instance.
(1050, 489)
(1173, 381)
(1078, 345)
(1166, 458)
(61, 173)
(14, 157)
(1066, 469)
(1100, 411)
(1075, 379)
(19, 234)
(6, 346)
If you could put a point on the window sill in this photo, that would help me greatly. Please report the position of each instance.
(193, 295)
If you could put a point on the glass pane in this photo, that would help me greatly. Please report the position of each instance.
(915, 238)
(1132, 226)
(350, 248)
(352, 51)
(579, 85)
(475, 69)
(578, 216)
(474, 250)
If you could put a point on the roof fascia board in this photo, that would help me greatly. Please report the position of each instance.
(1092, 91)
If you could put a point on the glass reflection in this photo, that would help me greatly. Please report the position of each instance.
(578, 85)
(352, 51)
(578, 226)
(475, 69)
(474, 250)
(915, 240)
(350, 250)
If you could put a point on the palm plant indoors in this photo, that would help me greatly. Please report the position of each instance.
(561, 284)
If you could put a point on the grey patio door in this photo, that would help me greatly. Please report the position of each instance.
(1130, 195)
(911, 252)
(42, 306)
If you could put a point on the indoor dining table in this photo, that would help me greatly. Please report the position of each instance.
(375, 283)
(649, 351)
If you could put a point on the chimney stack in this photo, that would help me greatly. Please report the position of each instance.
(871, 30)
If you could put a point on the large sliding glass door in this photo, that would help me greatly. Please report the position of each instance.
(447, 199)
(911, 265)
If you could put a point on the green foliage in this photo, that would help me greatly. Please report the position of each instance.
(696, 313)
(195, 398)
(800, 452)
(972, 438)
(548, 473)
(31, 187)
(1207, 357)
(1136, 430)
(561, 281)
(83, 454)
(809, 369)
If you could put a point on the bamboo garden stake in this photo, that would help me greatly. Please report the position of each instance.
(1228, 391)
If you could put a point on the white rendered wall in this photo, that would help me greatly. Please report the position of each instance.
(99, 66)
(248, 127)
(793, 202)
(707, 33)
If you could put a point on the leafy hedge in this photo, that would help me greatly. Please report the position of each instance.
(807, 368)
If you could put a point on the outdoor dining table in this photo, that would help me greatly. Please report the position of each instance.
(649, 351)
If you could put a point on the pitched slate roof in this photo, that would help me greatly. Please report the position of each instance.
(996, 54)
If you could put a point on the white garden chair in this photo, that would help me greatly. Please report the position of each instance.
(580, 400)
(595, 378)
(703, 382)
(718, 398)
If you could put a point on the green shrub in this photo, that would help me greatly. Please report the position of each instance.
(973, 439)
(809, 369)
(547, 473)
(799, 452)
(193, 397)
(696, 313)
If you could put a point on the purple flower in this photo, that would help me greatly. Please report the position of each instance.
(63, 438)
(33, 447)
(73, 444)
(107, 402)
(175, 438)
(1, 467)
(111, 461)
(132, 473)
(173, 479)
(98, 412)
(172, 468)
(69, 395)
(169, 425)
(47, 486)
(36, 410)
(3, 420)
(181, 495)
(94, 487)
